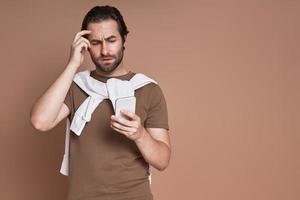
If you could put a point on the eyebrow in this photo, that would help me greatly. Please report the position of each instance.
(108, 38)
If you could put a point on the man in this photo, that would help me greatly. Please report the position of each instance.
(111, 158)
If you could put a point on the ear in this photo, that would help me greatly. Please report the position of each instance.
(124, 45)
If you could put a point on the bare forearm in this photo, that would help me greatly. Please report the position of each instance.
(155, 152)
(46, 108)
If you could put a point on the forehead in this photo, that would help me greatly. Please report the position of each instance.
(105, 28)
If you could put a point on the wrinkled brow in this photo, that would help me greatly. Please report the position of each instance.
(98, 40)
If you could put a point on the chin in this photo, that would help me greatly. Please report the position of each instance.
(107, 68)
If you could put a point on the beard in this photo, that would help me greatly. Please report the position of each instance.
(108, 67)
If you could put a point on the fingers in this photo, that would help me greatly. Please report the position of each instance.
(82, 40)
(120, 127)
(121, 124)
(80, 34)
(79, 40)
(130, 115)
(80, 45)
(124, 122)
(127, 127)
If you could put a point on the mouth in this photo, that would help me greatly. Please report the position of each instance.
(106, 59)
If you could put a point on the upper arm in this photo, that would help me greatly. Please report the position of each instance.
(63, 113)
(156, 108)
(160, 134)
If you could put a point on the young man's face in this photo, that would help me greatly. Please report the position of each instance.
(106, 45)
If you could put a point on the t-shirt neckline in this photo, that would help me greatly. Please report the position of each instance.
(102, 78)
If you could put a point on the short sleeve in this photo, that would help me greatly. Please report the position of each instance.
(157, 112)
(69, 100)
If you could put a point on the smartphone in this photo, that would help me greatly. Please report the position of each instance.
(125, 103)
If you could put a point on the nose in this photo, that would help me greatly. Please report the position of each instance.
(104, 50)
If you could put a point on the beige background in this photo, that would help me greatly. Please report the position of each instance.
(230, 74)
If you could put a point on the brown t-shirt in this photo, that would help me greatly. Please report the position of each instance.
(105, 164)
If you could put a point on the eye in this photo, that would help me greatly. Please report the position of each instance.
(111, 41)
(95, 43)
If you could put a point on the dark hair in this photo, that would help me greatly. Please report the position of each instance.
(100, 13)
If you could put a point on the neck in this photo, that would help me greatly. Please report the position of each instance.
(119, 71)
